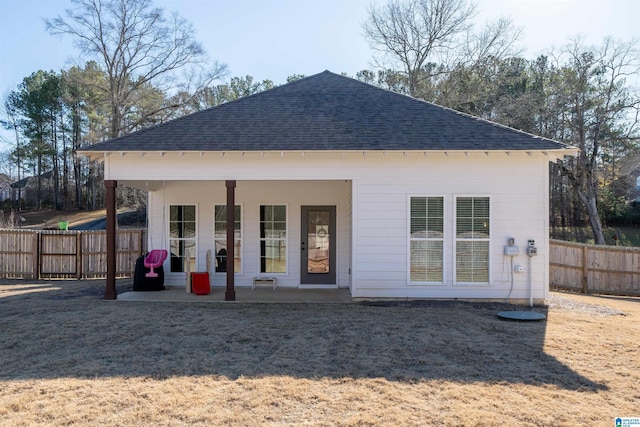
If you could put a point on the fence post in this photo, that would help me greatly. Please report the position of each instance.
(36, 255)
(585, 270)
(78, 255)
(39, 268)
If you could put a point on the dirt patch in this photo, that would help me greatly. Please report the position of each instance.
(557, 301)
(69, 357)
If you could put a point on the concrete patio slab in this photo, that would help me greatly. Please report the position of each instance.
(245, 295)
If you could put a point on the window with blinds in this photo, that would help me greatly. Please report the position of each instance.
(426, 239)
(472, 240)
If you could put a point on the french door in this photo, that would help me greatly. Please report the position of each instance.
(318, 245)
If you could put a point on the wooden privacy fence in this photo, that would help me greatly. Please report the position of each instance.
(579, 267)
(52, 254)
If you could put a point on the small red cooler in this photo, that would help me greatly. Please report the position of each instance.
(200, 283)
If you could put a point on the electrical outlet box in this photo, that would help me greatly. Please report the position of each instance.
(532, 251)
(518, 269)
(511, 251)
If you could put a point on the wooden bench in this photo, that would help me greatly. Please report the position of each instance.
(264, 281)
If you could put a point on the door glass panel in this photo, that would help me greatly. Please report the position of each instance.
(318, 239)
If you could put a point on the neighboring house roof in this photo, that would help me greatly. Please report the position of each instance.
(4, 179)
(25, 181)
(327, 112)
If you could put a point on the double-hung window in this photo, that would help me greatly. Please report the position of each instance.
(472, 240)
(220, 238)
(273, 239)
(182, 237)
(426, 240)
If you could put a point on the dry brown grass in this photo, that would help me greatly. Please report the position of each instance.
(69, 358)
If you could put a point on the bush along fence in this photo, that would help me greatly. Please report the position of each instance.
(598, 269)
(52, 254)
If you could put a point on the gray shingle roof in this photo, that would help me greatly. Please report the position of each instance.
(323, 112)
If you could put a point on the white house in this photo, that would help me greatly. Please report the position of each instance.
(337, 183)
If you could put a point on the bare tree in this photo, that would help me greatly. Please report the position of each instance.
(137, 46)
(496, 40)
(599, 114)
(416, 32)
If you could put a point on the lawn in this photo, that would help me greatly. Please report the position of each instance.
(70, 358)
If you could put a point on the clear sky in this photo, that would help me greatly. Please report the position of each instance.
(272, 39)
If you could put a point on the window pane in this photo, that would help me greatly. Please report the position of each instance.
(220, 230)
(220, 212)
(189, 213)
(174, 213)
(273, 256)
(426, 261)
(266, 213)
(472, 261)
(481, 207)
(174, 229)
(464, 206)
(435, 207)
(481, 228)
(182, 251)
(418, 226)
(279, 213)
(436, 227)
(418, 207)
(464, 228)
(189, 230)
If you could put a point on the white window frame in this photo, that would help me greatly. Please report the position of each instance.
(286, 240)
(427, 239)
(456, 240)
(170, 239)
(214, 254)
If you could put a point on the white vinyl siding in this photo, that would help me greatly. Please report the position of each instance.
(373, 250)
(426, 240)
(273, 239)
(182, 237)
(472, 240)
(220, 238)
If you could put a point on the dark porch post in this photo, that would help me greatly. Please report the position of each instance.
(230, 294)
(110, 290)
